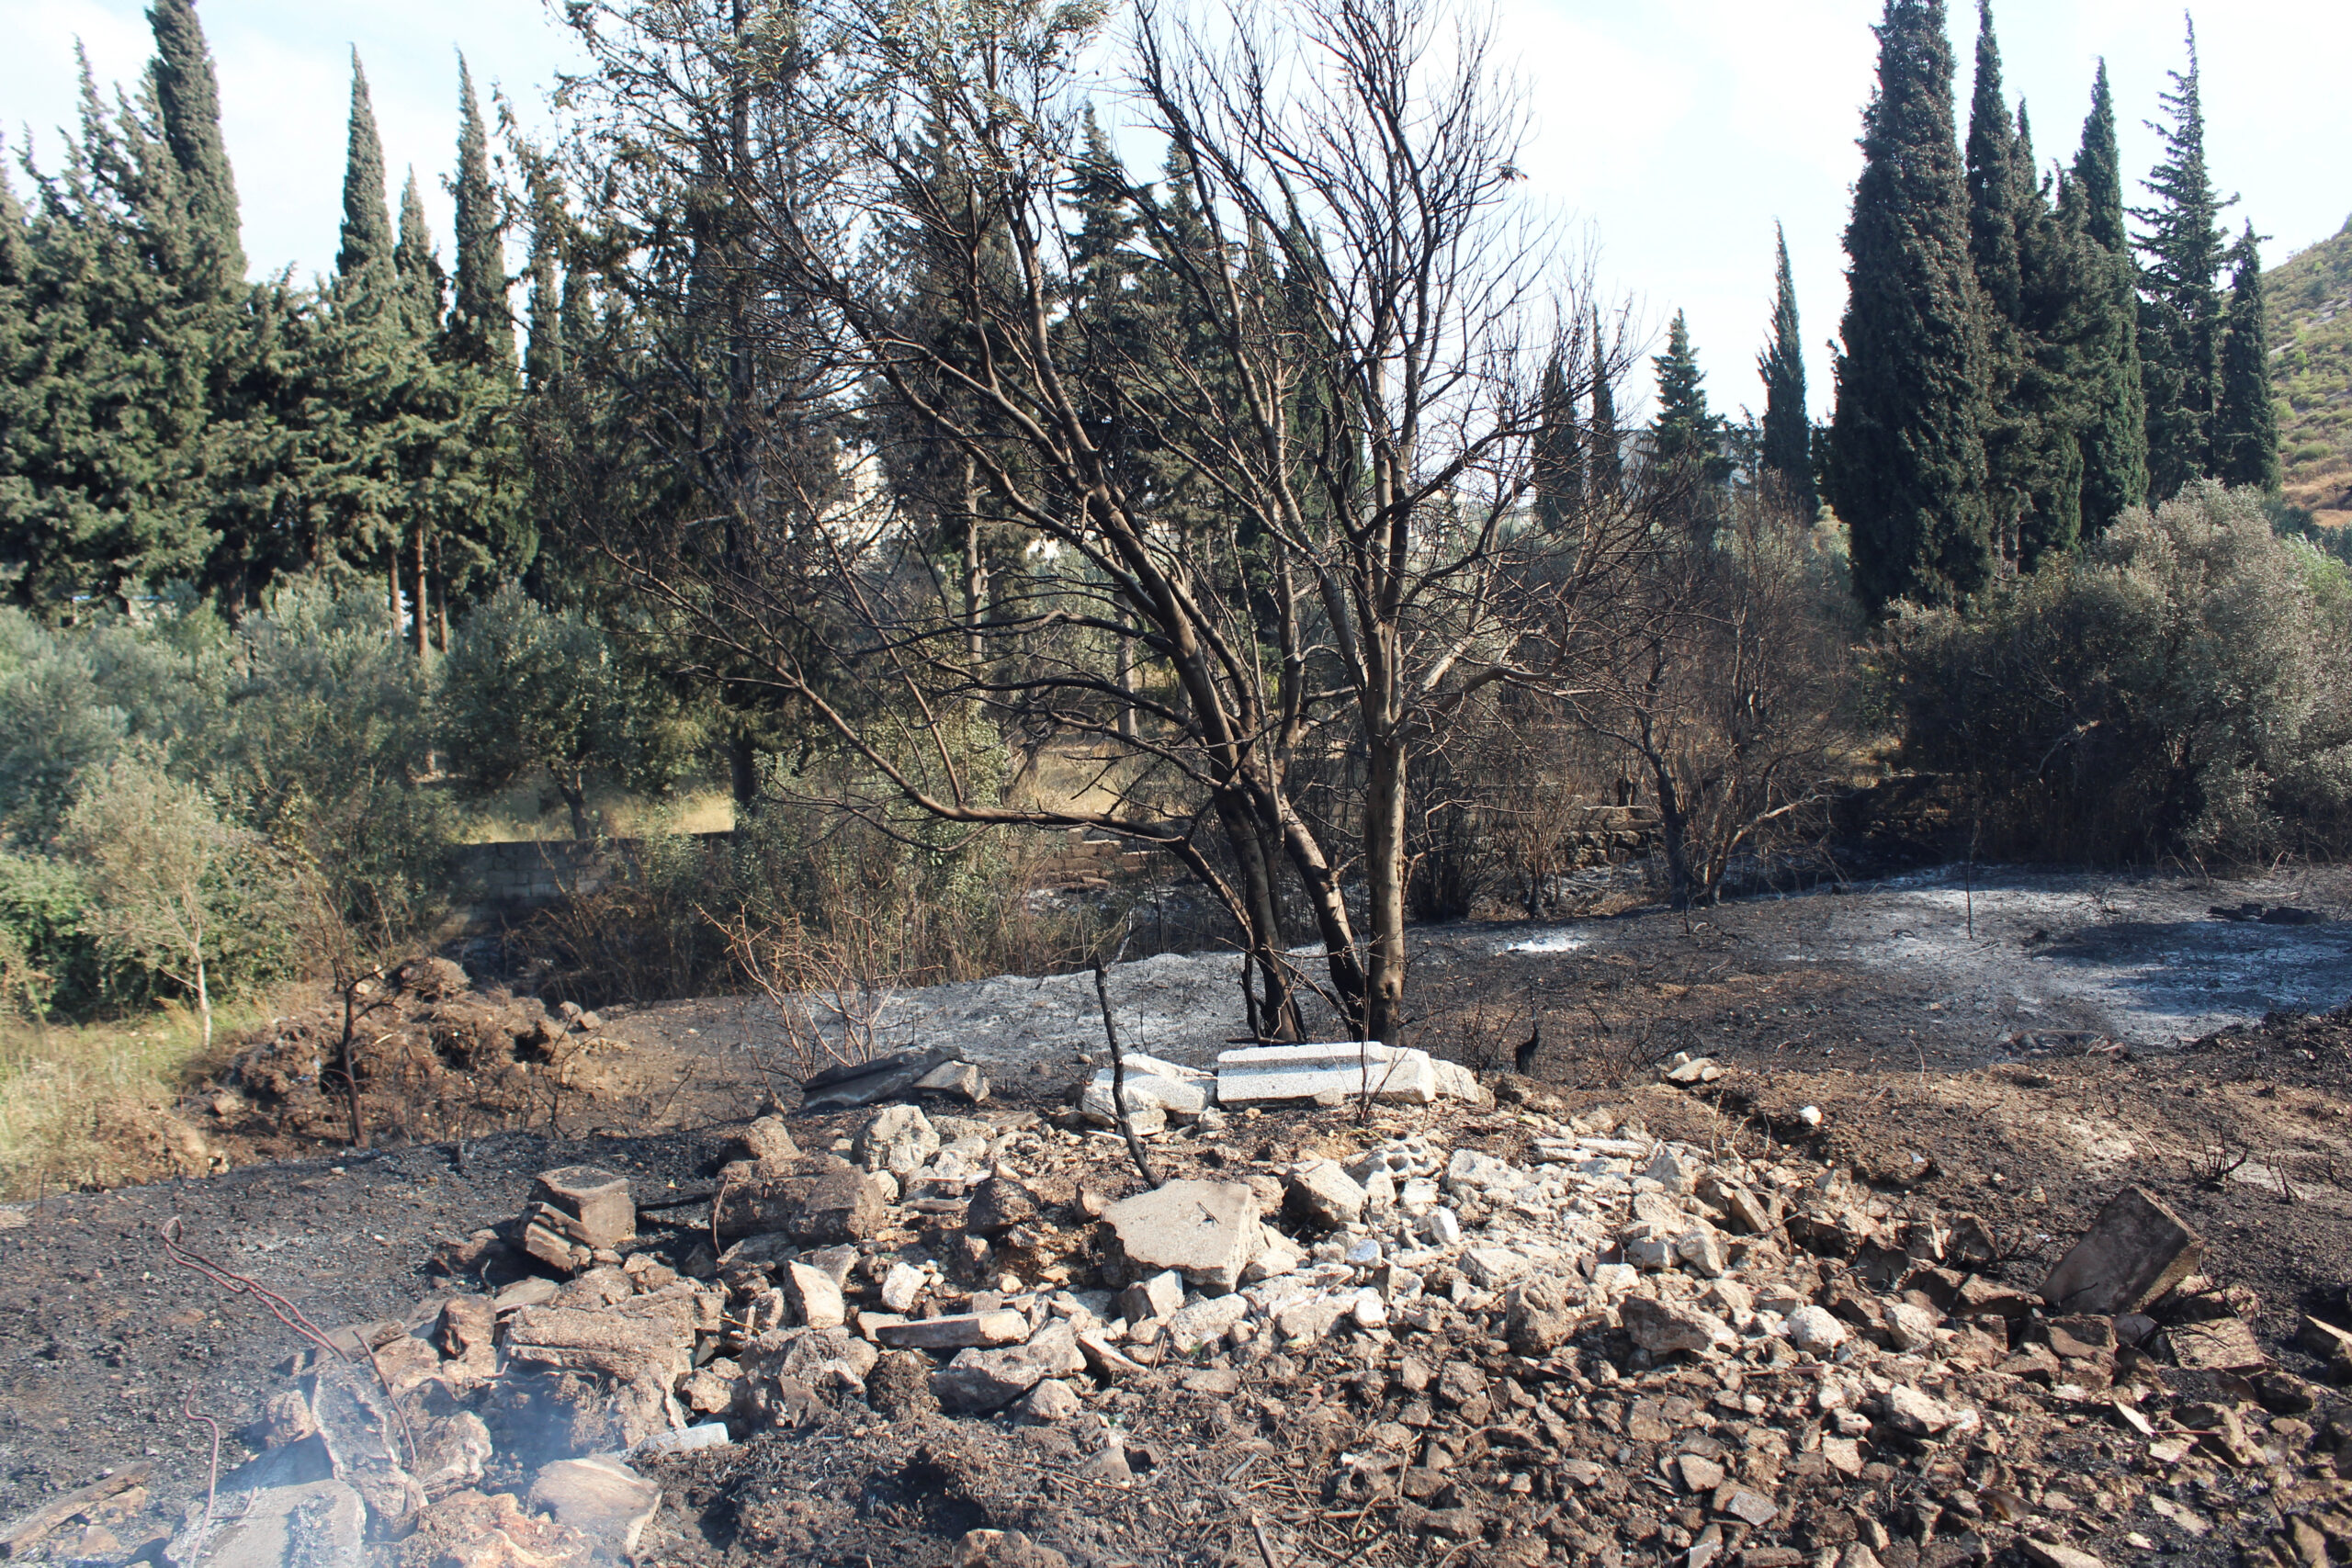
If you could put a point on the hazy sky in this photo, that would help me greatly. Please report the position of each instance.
(1672, 132)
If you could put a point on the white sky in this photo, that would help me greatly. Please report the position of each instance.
(1674, 130)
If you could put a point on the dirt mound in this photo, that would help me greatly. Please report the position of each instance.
(414, 1054)
(2308, 1049)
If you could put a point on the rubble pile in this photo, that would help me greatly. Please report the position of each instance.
(428, 1048)
(1538, 1334)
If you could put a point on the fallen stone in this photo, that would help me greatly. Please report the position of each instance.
(451, 1452)
(1274, 1075)
(897, 1138)
(1324, 1196)
(1492, 1267)
(2134, 1252)
(1205, 1230)
(469, 1530)
(954, 1080)
(1914, 1414)
(813, 1296)
(768, 1142)
(1909, 1327)
(1814, 1330)
(961, 1330)
(902, 1286)
(2055, 1555)
(602, 1498)
(1205, 1321)
(685, 1440)
(1748, 1507)
(1158, 1296)
(1151, 1087)
(997, 1205)
(817, 1209)
(280, 1527)
(869, 1083)
(2220, 1345)
(982, 1380)
(1005, 1549)
(1050, 1404)
(1664, 1327)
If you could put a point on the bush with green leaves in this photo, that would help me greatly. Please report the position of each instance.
(528, 690)
(2181, 687)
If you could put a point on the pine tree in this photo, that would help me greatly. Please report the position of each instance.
(1608, 453)
(1685, 432)
(365, 261)
(1557, 467)
(1906, 465)
(2180, 319)
(187, 100)
(2115, 429)
(1787, 430)
(2246, 420)
(481, 329)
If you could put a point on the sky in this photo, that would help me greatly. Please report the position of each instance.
(1670, 134)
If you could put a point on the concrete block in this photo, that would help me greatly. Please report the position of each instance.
(1268, 1074)
(1208, 1231)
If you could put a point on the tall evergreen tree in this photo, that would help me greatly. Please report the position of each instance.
(1906, 466)
(543, 352)
(365, 260)
(1685, 432)
(2245, 420)
(1556, 467)
(481, 329)
(2115, 428)
(1608, 471)
(2180, 320)
(187, 100)
(1787, 429)
(424, 284)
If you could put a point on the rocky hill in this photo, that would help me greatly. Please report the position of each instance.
(2311, 303)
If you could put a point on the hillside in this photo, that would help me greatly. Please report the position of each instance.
(2311, 303)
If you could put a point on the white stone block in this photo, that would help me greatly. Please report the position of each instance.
(1264, 1075)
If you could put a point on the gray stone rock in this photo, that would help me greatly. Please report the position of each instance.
(956, 1332)
(600, 1497)
(981, 1381)
(1050, 1404)
(1208, 1231)
(897, 1138)
(1814, 1330)
(1158, 1296)
(813, 1296)
(954, 1080)
(1000, 1203)
(1325, 1196)
(1665, 1327)
(320, 1523)
(597, 1201)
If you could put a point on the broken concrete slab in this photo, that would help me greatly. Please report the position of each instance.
(956, 1332)
(1274, 1075)
(1207, 1231)
(2134, 1252)
(848, 1087)
(602, 1498)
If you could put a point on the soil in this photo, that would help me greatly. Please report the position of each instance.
(2023, 1070)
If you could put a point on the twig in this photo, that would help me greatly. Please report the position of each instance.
(1119, 1080)
(1265, 1547)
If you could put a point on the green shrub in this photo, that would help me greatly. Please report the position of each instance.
(2179, 688)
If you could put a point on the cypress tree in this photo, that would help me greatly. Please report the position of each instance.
(2180, 321)
(1907, 466)
(1608, 455)
(2246, 420)
(1787, 430)
(367, 253)
(424, 284)
(481, 327)
(1994, 179)
(187, 100)
(2115, 428)
(543, 352)
(1557, 467)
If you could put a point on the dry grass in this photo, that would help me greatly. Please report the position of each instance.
(96, 1105)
